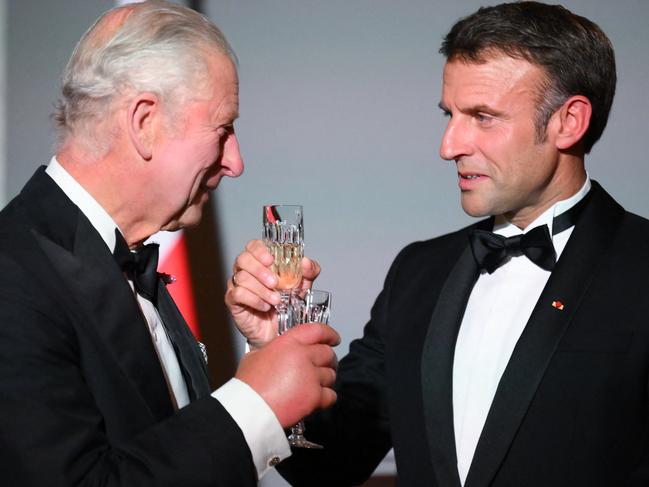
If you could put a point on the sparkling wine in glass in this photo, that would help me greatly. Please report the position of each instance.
(283, 234)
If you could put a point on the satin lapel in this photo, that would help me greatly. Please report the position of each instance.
(568, 283)
(106, 302)
(437, 367)
(189, 355)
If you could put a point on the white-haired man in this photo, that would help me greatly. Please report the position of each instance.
(101, 382)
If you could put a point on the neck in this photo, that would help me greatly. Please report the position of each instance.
(562, 186)
(109, 183)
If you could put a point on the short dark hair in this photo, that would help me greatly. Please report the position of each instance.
(574, 53)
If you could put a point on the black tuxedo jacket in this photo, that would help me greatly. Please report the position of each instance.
(83, 400)
(572, 406)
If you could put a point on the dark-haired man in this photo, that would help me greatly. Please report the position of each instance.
(514, 352)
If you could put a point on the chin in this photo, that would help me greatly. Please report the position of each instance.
(479, 206)
(185, 221)
(191, 218)
(475, 210)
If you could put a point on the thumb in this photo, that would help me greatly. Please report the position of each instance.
(310, 269)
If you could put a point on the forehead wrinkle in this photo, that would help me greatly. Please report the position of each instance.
(226, 112)
(225, 77)
(494, 81)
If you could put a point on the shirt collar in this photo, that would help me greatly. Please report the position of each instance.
(99, 218)
(508, 229)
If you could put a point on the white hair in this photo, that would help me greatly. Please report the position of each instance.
(160, 47)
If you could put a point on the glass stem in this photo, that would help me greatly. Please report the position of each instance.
(297, 431)
(284, 315)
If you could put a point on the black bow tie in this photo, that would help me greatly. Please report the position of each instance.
(491, 250)
(140, 266)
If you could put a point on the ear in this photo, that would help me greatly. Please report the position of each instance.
(573, 121)
(142, 113)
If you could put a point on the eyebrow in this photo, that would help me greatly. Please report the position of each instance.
(485, 109)
(233, 113)
(231, 118)
(474, 109)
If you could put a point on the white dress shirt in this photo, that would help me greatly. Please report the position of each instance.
(260, 427)
(497, 311)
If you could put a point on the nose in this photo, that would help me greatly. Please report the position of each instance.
(454, 141)
(232, 162)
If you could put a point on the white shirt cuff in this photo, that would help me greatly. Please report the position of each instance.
(261, 429)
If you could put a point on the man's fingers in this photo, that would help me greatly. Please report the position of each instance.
(323, 356)
(327, 398)
(250, 264)
(310, 333)
(327, 376)
(240, 297)
(258, 249)
(243, 281)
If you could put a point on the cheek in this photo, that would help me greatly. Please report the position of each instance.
(194, 160)
(206, 156)
(509, 154)
(182, 167)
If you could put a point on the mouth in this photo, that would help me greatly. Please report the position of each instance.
(202, 192)
(211, 182)
(207, 187)
(468, 180)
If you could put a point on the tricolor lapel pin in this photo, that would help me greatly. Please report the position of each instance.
(558, 305)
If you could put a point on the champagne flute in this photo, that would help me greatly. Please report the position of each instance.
(313, 308)
(283, 234)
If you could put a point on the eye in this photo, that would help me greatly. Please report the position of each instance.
(446, 113)
(225, 130)
(483, 119)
